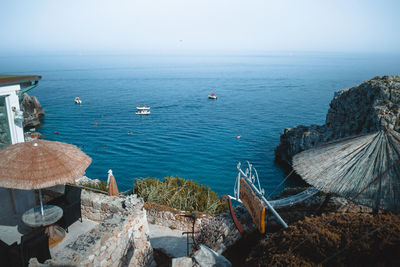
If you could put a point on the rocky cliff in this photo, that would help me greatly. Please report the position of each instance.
(32, 110)
(367, 107)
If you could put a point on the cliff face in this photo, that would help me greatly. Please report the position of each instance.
(367, 107)
(32, 110)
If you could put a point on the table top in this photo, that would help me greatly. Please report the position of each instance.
(34, 218)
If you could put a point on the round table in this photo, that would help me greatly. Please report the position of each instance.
(52, 214)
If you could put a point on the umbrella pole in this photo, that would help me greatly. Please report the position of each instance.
(41, 202)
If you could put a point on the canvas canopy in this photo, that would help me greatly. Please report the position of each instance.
(365, 168)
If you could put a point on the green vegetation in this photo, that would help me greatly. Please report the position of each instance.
(179, 193)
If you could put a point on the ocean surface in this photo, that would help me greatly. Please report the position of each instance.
(187, 134)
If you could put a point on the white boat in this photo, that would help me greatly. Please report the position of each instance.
(212, 96)
(143, 110)
(78, 100)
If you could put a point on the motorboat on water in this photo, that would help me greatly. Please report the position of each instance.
(78, 100)
(144, 110)
(212, 96)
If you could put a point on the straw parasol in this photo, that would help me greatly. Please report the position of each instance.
(39, 164)
(112, 185)
(365, 168)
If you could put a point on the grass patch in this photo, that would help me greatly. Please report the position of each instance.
(180, 194)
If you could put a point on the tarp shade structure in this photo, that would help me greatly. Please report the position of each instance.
(365, 167)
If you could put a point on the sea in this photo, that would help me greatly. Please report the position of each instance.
(188, 135)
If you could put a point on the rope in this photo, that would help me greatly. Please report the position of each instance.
(268, 197)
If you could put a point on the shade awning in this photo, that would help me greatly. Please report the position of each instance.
(39, 164)
(365, 167)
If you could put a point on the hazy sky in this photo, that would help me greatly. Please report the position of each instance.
(251, 25)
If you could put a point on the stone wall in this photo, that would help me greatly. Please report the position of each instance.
(98, 207)
(120, 239)
(168, 217)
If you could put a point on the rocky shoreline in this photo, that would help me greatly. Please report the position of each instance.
(364, 108)
(32, 110)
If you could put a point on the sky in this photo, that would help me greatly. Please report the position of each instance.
(200, 25)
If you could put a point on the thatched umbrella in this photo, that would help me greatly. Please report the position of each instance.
(112, 185)
(365, 168)
(39, 164)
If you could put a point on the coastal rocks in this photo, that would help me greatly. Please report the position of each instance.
(182, 262)
(32, 110)
(297, 139)
(206, 257)
(364, 108)
(120, 239)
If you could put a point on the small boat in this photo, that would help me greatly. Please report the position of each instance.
(212, 96)
(142, 110)
(78, 100)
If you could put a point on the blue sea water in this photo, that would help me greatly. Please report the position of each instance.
(187, 134)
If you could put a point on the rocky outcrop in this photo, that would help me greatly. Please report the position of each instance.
(364, 108)
(205, 257)
(32, 110)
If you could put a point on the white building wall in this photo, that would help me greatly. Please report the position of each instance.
(12, 102)
(18, 200)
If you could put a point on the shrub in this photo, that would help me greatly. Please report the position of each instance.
(179, 193)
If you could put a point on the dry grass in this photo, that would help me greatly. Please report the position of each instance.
(180, 194)
(313, 240)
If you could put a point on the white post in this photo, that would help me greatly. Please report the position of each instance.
(41, 203)
(238, 187)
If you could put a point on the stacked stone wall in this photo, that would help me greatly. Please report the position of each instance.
(174, 219)
(120, 239)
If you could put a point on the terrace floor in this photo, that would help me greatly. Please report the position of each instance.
(171, 241)
(12, 228)
(75, 230)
